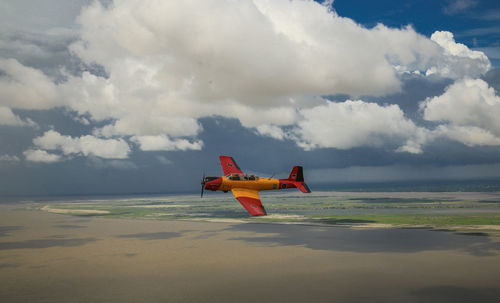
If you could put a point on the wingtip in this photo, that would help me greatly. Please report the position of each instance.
(263, 210)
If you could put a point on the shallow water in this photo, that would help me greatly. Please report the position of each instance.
(48, 257)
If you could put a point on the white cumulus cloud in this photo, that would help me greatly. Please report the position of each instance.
(84, 145)
(457, 60)
(271, 130)
(162, 142)
(469, 110)
(469, 102)
(38, 155)
(351, 124)
(173, 60)
(25, 87)
(9, 158)
(468, 135)
(7, 117)
(266, 63)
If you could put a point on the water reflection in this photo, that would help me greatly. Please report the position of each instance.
(4, 230)
(366, 240)
(456, 294)
(45, 243)
(70, 226)
(152, 236)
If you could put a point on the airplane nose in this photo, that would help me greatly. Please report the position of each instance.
(213, 184)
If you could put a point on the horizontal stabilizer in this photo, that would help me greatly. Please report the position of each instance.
(303, 187)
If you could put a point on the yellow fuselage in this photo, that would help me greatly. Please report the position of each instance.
(258, 184)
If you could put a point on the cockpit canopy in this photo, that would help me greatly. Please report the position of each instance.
(242, 177)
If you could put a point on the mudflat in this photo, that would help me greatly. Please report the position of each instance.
(56, 257)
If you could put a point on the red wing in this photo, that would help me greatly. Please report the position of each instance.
(229, 166)
(250, 200)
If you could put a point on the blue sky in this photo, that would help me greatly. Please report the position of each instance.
(143, 96)
(474, 23)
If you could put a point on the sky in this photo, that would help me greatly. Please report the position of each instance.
(129, 96)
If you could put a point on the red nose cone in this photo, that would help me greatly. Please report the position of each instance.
(213, 184)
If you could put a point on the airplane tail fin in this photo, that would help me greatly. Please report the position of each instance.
(297, 177)
(296, 174)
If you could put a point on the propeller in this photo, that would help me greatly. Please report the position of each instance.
(272, 176)
(202, 185)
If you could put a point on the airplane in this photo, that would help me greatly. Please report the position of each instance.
(245, 188)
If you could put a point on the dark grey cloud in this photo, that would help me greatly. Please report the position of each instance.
(48, 53)
(493, 79)
(38, 34)
(415, 90)
(40, 15)
(182, 173)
